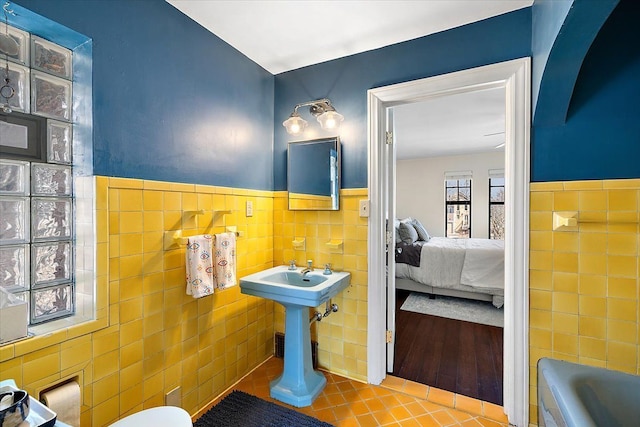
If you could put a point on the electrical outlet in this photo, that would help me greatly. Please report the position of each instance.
(249, 208)
(364, 208)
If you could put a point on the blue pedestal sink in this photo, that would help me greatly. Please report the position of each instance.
(299, 384)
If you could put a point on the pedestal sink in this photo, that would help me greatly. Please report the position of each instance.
(299, 384)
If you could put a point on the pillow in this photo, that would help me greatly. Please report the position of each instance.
(422, 232)
(396, 224)
(408, 233)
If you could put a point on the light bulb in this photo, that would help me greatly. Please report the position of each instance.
(294, 124)
(330, 119)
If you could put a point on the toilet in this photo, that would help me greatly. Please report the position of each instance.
(161, 416)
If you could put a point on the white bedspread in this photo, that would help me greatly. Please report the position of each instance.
(483, 264)
(445, 263)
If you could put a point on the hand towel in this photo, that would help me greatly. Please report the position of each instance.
(225, 260)
(199, 266)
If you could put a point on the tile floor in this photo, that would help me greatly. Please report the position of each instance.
(397, 402)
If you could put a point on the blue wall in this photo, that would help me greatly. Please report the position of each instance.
(601, 136)
(346, 81)
(172, 102)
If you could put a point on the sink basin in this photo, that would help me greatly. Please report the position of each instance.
(296, 279)
(575, 395)
(299, 384)
(291, 287)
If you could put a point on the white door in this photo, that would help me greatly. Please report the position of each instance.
(390, 203)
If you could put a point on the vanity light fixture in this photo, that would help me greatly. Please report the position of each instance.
(322, 109)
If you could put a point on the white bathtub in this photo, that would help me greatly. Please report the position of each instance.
(572, 395)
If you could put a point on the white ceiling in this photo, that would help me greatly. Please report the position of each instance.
(465, 123)
(289, 34)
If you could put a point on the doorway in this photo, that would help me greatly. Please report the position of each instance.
(514, 77)
(448, 155)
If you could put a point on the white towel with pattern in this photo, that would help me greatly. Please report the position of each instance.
(199, 266)
(225, 260)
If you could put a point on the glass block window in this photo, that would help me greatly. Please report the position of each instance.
(36, 181)
(458, 208)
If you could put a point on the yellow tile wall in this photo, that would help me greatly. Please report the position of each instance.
(584, 286)
(342, 336)
(155, 337)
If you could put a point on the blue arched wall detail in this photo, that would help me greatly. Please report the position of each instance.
(172, 102)
(559, 50)
(345, 81)
(600, 137)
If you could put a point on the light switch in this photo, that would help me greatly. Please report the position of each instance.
(364, 208)
(249, 208)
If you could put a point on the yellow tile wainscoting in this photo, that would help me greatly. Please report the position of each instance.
(150, 337)
(342, 336)
(584, 286)
(155, 337)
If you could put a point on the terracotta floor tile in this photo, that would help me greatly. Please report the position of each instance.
(485, 422)
(410, 423)
(461, 416)
(471, 423)
(441, 397)
(494, 412)
(348, 422)
(444, 417)
(400, 413)
(468, 404)
(390, 401)
(359, 408)
(393, 382)
(428, 421)
(415, 409)
(383, 417)
(326, 415)
(321, 402)
(348, 403)
(367, 393)
(336, 399)
(406, 399)
(343, 411)
(430, 406)
(416, 389)
(366, 420)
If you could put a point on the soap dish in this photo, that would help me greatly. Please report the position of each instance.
(39, 415)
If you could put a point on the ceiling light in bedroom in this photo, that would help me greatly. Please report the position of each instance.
(499, 146)
(322, 109)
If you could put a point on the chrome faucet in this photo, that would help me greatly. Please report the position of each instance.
(309, 267)
(292, 265)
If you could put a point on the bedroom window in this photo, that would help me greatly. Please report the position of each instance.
(458, 208)
(496, 208)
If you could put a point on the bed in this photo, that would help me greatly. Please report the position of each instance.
(465, 268)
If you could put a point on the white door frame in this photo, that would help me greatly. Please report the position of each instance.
(515, 77)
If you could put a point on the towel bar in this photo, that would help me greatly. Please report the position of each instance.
(175, 239)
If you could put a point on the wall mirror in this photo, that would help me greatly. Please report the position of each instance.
(313, 174)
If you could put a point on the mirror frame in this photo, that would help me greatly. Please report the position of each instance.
(311, 202)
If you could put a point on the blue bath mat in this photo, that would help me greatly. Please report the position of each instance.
(240, 409)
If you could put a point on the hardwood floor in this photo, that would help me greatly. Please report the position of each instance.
(453, 355)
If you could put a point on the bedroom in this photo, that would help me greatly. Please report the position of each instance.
(449, 178)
